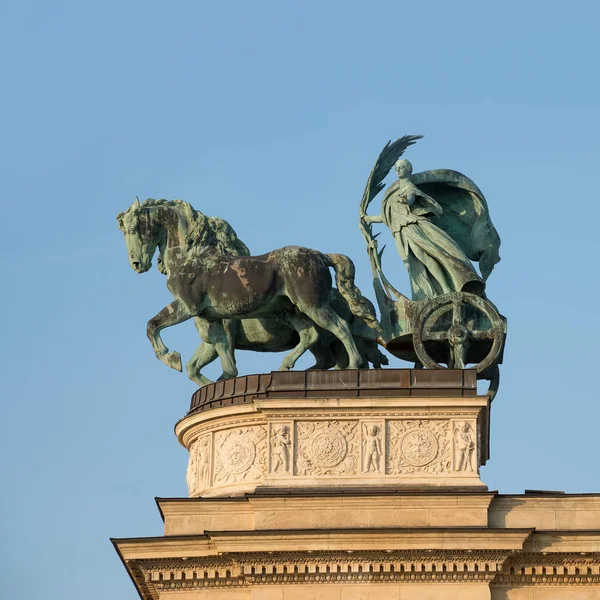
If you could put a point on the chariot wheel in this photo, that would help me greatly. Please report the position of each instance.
(463, 328)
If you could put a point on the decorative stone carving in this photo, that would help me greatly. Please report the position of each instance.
(199, 464)
(464, 446)
(240, 454)
(204, 461)
(326, 448)
(372, 447)
(191, 475)
(280, 448)
(544, 574)
(341, 442)
(419, 446)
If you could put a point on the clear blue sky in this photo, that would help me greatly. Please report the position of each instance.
(269, 114)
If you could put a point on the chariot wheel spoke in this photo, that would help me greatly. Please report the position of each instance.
(435, 336)
(482, 334)
(456, 312)
(458, 358)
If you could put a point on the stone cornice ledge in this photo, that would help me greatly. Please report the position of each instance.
(496, 557)
(394, 539)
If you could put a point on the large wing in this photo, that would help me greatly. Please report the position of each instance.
(466, 216)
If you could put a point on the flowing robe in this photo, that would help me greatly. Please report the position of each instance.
(435, 262)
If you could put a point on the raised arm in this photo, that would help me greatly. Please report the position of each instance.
(368, 219)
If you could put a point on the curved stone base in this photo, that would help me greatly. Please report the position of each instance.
(279, 443)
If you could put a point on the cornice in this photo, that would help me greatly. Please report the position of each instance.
(247, 569)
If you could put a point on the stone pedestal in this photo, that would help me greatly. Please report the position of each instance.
(357, 485)
(336, 430)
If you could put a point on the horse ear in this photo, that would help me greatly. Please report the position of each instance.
(136, 204)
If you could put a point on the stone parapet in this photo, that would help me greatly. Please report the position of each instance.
(325, 443)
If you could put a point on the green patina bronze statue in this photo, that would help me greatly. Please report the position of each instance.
(435, 262)
(441, 225)
(284, 300)
(214, 281)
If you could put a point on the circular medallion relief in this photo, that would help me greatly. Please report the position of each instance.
(237, 454)
(419, 447)
(328, 449)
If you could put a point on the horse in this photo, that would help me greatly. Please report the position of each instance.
(268, 335)
(292, 284)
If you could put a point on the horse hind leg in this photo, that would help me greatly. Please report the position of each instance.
(341, 356)
(220, 339)
(323, 356)
(308, 338)
(328, 319)
(204, 355)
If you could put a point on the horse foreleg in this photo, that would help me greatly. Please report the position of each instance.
(224, 348)
(204, 355)
(172, 314)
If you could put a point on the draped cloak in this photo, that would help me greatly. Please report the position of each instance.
(435, 262)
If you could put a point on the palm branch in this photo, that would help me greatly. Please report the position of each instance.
(391, 152)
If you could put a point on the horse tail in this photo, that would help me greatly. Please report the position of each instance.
(344, 279)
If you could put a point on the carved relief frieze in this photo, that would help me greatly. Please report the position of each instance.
(464, 446)
(372, 447)
(419, 446)
(198, 471)
(280, 448)
(326, 448)
(240, 454)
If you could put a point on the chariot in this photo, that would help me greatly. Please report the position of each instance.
(441, 225)
(457, 330)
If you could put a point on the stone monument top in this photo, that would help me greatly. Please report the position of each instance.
(348, 480)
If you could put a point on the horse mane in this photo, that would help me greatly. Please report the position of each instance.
(202, 230)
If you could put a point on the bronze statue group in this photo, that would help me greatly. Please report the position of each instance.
(285, 300)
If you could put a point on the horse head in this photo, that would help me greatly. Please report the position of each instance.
(141, 235)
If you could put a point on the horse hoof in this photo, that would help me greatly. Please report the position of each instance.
(173, 360)
(225, 376)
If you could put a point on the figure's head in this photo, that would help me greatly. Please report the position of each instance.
(141, 236)
(373, 430)
(403, 168)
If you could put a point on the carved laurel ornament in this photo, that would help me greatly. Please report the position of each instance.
(326, 448)
(419, 446)
(240, 454)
